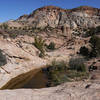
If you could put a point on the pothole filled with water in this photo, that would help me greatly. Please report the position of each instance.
(40, 80)
(53, 75)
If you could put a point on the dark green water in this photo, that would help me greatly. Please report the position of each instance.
(38, 81)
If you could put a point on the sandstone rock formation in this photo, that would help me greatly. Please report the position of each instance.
(20, 61)
(54, 16)
(67, 91)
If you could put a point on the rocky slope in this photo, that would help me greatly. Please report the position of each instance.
(20, 61)
(54, 17)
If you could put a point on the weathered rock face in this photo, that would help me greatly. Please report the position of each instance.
(22, 63)
(54, 17)
(67, 91)
(18, 63)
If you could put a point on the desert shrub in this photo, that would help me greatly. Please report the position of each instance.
(98, 29)
(84, 51)
(1, 26)
(95, 45)
(51, 46)
(77, 64)
(11, 27)
(95, 48)
(41, 54)
(39, 44)
(3, 60)
(5, 26)
(13, 35)
(90, 32)
(58, 65)
(93, 31)
(25, 27)
(93, 53)
(20, 28)
(15, 27)
(58, 72)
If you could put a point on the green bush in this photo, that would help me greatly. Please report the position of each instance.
(93, 31)
(51, 46)
(20, 28)
(58, 72)
(11, 28)
(84, 51)
(98, 29)
(95, 45)
(13, 35)
(39, 44)
(3, 59)
(95, 48)
(58, 65)
(41, 54)
(15, 27)
(5, 26)
(77, 64)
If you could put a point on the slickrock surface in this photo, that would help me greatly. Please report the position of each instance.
(22, 61)
(67, 91)
(19, 61)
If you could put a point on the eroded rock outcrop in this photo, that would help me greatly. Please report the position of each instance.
(54, 16)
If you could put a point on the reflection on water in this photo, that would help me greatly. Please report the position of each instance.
(38, 81)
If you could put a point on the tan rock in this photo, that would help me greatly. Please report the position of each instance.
(67, 91)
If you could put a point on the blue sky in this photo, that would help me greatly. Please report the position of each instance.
(12, 9)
